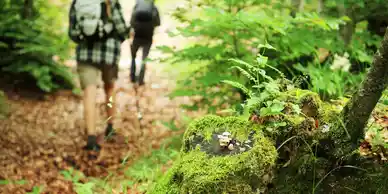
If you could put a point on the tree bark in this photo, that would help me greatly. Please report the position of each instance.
(297, 6)
(377, 25)
(28, 8)
(320, 6)
(301, 5)
(356, 113)
(347, 30)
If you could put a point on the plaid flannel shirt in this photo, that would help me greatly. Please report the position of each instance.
(106, 52)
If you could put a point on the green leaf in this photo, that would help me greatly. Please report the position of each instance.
(3, 45)
(253, 101)
(296, 109)
(265, 111)
(86, 188)
(273, 108)
(262, 60)
(4, 182)
(246, 114)
(272, 87)
(67, 175)
(165, 49)
(77, 91)
(346, 18)
(277, 107)
(36, 190)
(20, 182)
(280, 124)
(266, 45)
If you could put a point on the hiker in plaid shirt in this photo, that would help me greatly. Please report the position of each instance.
(94, 58)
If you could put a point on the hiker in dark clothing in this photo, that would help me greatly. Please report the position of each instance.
(144, 19)
(98, 27)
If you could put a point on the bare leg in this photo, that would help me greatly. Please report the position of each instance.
(90, 109)
(90, 116)
(110, 133)
(110, 101)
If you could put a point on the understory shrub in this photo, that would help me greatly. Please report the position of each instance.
(33, 49)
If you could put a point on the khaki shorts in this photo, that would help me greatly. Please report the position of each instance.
(91, 75)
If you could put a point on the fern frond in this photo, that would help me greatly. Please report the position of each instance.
(263, 73)
(245, 72)
(239, 86)
(253, 102)
(241, 62)
(277, 70)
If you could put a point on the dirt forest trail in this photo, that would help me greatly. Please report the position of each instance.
(41, 138)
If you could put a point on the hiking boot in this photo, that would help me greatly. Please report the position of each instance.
(141, 75)
(132, 74)
(141, 82)
(109, 132)
(112, 136)
(92, 144)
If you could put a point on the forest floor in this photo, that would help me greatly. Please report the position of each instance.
(43, 137)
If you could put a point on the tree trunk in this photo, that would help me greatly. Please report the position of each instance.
(297, 6)
(377, 25)
(28, 7)
(301, 5)
(320, 6)
(357, 112)
(347, 30)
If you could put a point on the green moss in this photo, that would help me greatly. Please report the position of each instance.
(295, 120)
(311, 106)
(166, 185)
(210, 124)
(329, 113)
(198, 172)
(297, 95)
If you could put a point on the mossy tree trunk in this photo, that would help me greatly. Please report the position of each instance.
(357, 112)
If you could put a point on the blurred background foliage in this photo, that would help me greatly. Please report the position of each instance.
(34, 44)
(331, 41)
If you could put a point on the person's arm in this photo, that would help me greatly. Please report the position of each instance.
(132, 21)
(157, 17)
(119, 22)
(73, 33)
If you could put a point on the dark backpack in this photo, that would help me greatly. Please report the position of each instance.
(144, 11)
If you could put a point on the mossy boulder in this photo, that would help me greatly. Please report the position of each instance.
(205, 167)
